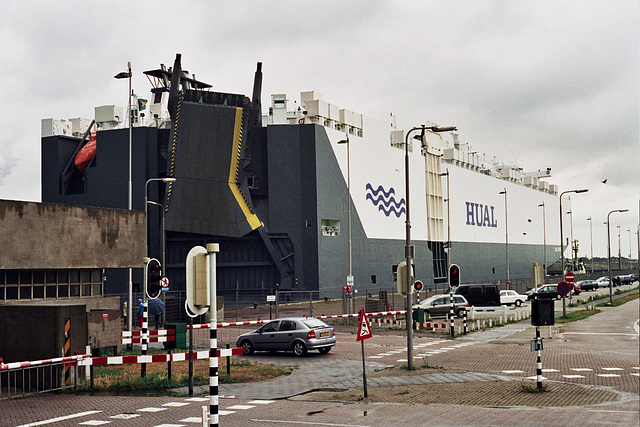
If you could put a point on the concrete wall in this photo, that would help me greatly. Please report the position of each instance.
(36, 331)
(51, 236)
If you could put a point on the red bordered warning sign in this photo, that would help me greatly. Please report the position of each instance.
(364, 330)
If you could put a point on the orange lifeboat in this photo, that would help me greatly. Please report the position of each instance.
(86, 153)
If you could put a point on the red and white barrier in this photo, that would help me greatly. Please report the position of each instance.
(151, 358)
(68, 360)
(160, 335)
(260, 321)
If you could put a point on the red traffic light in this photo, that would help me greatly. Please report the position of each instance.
(454, 275)
(418, 286)
(153, 277)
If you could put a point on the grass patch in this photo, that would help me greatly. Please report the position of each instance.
(526, 388)
(619, 301)
(576, 315)
(126, 378)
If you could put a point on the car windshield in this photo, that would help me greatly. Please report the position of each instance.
(314, 323)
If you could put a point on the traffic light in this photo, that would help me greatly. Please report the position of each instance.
(418, 286)
(454, 275)
(153, 275)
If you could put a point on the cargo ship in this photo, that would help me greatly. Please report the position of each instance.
(300, 195)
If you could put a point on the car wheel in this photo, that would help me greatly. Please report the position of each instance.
(247, 347)
(299, 349)
(461, 312)
(518, 303)
(324, 350)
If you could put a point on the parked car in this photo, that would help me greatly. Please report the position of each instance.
(508, 297)
(603, 282)
(627, 279)
(440, 305)
(480, 295)
(587, 285)
(297, 334)
(544, 292)
(575, 289)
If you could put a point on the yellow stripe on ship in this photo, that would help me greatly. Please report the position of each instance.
(252, 218)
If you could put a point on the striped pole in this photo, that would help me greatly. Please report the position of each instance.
(464, 323)
(538, 360)
(145, 332)
(212, 249)
(67, 349)
(451, 314)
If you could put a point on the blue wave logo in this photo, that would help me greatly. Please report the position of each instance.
(385, 200)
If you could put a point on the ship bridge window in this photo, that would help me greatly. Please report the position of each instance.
(279, 103)
(330, 227)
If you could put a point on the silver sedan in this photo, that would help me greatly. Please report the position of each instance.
(297, 334)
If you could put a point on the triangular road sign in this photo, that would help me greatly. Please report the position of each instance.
(364, 331)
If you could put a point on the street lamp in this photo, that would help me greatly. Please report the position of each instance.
(506, 235)
(408, 249)
(609, 254)
(591, 240)
(448, 200)
(564, 300)
(619, 250)
(572, 244)
(350, 277)
(127, 75)
(544, 243)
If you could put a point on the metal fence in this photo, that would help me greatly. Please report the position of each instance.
(38, 377)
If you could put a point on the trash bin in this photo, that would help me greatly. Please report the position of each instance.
(180, 335)
(418, 315)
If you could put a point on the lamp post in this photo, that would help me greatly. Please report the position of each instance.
(544, 243)
(564, 300)
(619, 250)
(127, 75)
(571, 242)
(408, 249)
(609, 254)
(350, 277)
(506, 235)
(591, 240)
(448, 200)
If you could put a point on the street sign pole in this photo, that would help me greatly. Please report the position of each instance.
(212, 249)
(364, 332)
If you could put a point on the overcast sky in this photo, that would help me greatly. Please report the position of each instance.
(544, 83)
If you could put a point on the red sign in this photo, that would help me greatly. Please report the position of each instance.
(347, 289)
(364, 330)
(164, 282)
(564, 288)
(105, 315)
(569, 277)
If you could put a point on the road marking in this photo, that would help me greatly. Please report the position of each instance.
(241, 407)
(582, 369)
(573, 376)
(608, 375)
(152, 409)
(315, 423)
(612, 369)
(635, 373)
(95, 423)
(599, 333)
(170, 425)
(550, 370)
(124, 416)
(229, 412)
(55, 420)
(193, 420)
(177, 404)
(198, 399)
(513, 372)
(603, 410)
(261, 402)
(375, 357)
